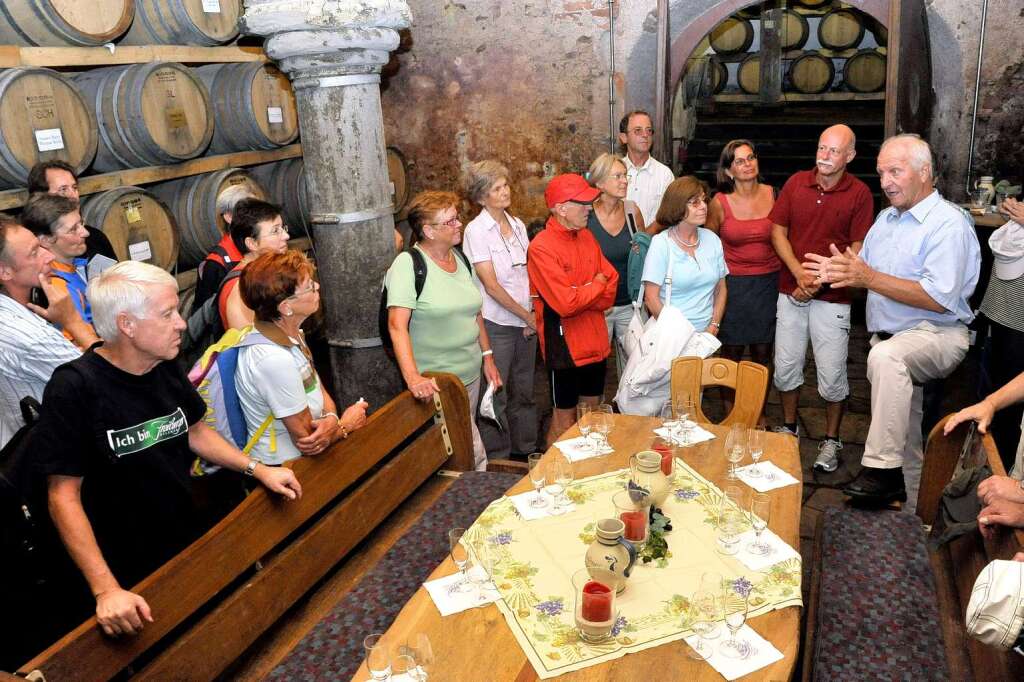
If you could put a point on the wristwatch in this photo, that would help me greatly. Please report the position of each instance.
(250, 468)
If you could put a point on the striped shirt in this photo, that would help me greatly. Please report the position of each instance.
(1004, 302)
(30, 349)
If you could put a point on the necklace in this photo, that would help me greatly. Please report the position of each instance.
(682, 242)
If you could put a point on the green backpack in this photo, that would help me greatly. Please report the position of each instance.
(639, 242)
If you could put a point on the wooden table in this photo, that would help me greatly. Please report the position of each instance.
(477, 645)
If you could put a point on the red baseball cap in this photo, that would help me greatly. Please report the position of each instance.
(569, 187)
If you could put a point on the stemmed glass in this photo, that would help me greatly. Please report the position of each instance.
(669, 422)
(730, 520)
(685, 410)
(705, 611)
(460, 555)
(378, 658)
(423, 655)
(558, 476)
(735, 617)
(734, 446)
(564, 476)
(405, 665)
(537, 478)
(755, 443)
(483, 567)
(760, 515)
(604, 425)
(583, 411)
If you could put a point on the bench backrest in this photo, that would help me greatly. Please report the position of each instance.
(347, 492)
(958, 563)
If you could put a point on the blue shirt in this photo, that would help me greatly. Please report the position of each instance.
(693, 279)
(933, 243)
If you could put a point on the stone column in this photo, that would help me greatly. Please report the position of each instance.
(333, 53)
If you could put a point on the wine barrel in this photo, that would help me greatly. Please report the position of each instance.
(184, 22)
(749, 74)
(148, 114)
(253, 106)
(879, 32)
(865, 71)
(750, 12)
(811, 73)
(193, 201)
(731, 36)
(815, 4)
(719, 75)
(285, 184)
(397, 175)
(138, 224)
(185, 299)
(841, 29)
(44, 117)
(59, 23)
(793, 30)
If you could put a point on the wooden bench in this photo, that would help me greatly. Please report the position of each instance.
(209, 603)
(883, 571)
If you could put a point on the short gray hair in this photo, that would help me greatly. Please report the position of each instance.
(482, 176)
(229, 198)
(123, 288)
(919, 152)
(602, 168)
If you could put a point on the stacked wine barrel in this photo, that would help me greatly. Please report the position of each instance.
(825, 48)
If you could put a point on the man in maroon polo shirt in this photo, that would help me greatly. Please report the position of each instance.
(816, 208)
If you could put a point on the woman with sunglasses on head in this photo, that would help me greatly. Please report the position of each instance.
(441, 329)
(739, 214)
(495, 243)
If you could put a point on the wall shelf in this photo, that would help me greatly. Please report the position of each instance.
(13, 55)
(90, 184)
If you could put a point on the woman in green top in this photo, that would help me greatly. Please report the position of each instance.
(441, 330)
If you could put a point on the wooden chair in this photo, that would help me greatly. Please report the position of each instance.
(750, 381)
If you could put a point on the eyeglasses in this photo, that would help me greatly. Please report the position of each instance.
(619, 176)
(277, 231)
(448, 223)
(60, 232)
(313, 286)
(519, 262)
(697, 201)
(740, 161)
(580, 203)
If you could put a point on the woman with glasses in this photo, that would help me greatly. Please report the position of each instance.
(282, 398)
(613, 222)
(495, 243)
(440, 329)
(694, 255)
(257, 228)
(739, 214)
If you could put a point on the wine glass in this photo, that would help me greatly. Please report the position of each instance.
(554, 483)
(537, 478)
(583, 419)
(483, 567)
(685, 411)
(378, 658)
(460, 555)
(735, 617)
(760, 515)
(730, 520)
(606, 423)
(669, 422)
(734, 445)
(563, 477)
(705, 612)
(423, 655)
(405, 664)
(755, 443)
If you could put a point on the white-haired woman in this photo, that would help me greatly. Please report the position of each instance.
(135, 423)
(496, 242)
(613, 222)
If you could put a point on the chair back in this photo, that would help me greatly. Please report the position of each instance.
(750, 381)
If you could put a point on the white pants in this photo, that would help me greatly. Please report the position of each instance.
(827, 326)
(479, 453)
(617, 320)
(896, 369)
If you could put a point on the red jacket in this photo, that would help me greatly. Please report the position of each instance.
(568, 304)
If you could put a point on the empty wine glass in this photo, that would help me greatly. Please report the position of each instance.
(711, 582)
(605, 425)
(730, 520)
(405, 664)
(423, 655)
(564, 476)
(483, 567)
(537, 478)
(554, 483)
(735, 617)
(583, 420)
(669, 422)
(378, 658)
(755, 443)
(705, 614)
(685, 411)
(735, 443)
(760, 515)
(460, 555)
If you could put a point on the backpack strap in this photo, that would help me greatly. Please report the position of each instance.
(630, 218)
(419, 270)
(259, 434)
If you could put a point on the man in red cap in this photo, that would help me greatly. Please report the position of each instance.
(572, 285)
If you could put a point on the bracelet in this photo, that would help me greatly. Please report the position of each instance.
(331, 414)
(487, 352)
(716, 325)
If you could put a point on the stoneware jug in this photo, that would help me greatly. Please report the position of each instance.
(986, 185)
(612, 552)
(645, 470)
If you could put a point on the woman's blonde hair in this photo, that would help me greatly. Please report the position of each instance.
(602, 168)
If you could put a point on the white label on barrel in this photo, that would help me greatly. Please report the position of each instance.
(275, 115)
(49, 139)
(211, 6)
(140, 251)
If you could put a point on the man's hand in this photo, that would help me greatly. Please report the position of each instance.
(599, 277)
(325, 432)
(842, 269)
(804, 295)
(61, 310)
(1013, 209)
(121, 612)
(280, 480)
(996, 488)
(981, 413)
(807, 280)
(1000, 513)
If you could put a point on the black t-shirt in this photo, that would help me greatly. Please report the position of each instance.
(97, 243)
(127, 437)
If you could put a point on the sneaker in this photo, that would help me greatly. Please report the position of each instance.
(828, 455)
(789, 432)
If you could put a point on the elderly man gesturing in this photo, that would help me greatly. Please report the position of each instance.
(920, 264)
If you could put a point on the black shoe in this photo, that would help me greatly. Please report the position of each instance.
(877, 487)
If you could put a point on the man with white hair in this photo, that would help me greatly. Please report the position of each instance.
(119, 429)
(919, 264)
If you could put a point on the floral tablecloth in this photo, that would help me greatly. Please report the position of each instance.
(536, 560)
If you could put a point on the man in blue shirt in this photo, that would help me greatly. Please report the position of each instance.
(919, 264)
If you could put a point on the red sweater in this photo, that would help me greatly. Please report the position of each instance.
(568, 304)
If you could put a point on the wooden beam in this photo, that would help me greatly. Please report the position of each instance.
(771, 52)
(661, 135)
(92, 184)
(801, 97)
(12, 55)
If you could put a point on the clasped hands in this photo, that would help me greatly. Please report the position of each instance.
(841, 269)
